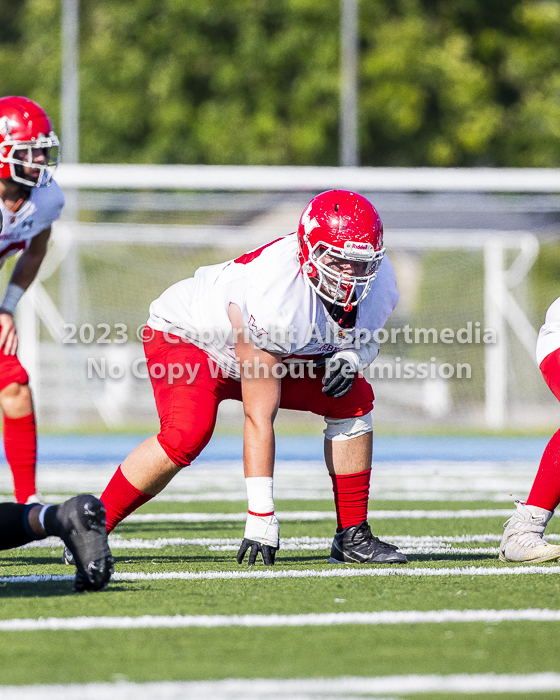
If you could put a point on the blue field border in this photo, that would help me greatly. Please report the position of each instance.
(114, 448)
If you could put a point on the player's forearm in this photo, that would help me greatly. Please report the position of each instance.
(258, 447)
(26, 269)
(262, 530)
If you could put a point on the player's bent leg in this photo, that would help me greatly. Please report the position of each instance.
(142, 475)
(545, 492)
(187, 413)
(348, 454)
(523, 539)
(149, 467)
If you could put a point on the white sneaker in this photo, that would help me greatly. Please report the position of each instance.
(34, 498)
(523, 539)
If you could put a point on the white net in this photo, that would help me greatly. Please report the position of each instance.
(434, 368)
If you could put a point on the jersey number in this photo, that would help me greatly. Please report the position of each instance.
(249, 257)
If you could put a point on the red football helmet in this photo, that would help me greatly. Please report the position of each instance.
(27, 141)
(340, 237)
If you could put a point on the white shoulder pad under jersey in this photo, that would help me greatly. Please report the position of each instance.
(549, 334)
(36, 214)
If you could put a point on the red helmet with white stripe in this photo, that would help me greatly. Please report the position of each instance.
(340, 237)
(29, 148)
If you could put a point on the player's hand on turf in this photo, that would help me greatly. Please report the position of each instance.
(267, 552)
(262, 534)
(8, 333)
(339, 377)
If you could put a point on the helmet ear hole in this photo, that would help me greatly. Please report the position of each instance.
(309, 269)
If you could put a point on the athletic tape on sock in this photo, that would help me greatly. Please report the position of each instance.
(260, 500)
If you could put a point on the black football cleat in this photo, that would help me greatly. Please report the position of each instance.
(80, 524)
(356, 545)
(82, 582)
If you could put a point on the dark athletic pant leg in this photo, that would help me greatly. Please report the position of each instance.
(14, 528)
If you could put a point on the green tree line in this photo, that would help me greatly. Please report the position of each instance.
(462, 83)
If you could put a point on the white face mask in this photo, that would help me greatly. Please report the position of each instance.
(39, 158)
(344, 276)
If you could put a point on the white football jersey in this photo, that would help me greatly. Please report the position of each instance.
(281, 311)
(35, 215)
(549, 334)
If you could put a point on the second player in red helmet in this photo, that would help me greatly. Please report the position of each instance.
(30, 201)
(29, 147)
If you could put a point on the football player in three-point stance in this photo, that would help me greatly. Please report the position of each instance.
(30, 200)
(523, 539)
(288, 325)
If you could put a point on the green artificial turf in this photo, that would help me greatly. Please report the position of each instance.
(326, 651)
(197, 654)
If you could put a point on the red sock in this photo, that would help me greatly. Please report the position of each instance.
(20, 445)
(351, 493)
(545, 492)
(121, 498)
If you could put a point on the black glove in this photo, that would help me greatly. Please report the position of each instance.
(339, 377)
(268, 553)
(321, 361)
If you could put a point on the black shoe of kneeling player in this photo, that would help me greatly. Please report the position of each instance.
(356, 545)
(80, 523)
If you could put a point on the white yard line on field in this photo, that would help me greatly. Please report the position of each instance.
(207, 481)
(490, 551)
(295, 689)
(350, 572)
(385, 617)
(310, 515)
(408, 543)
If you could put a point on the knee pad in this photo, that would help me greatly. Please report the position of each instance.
(347, 428)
